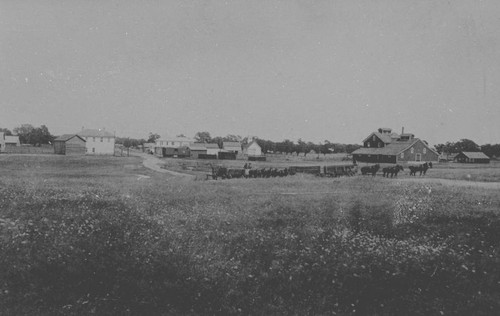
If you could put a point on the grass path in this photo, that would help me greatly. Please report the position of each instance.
(152, 162)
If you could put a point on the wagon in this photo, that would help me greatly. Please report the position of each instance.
(339, 171)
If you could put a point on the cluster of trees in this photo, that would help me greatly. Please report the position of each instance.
(28, 134)
(468, 145)
(286, 146)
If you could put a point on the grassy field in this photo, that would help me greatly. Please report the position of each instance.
(104, 235)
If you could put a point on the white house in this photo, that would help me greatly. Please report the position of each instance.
(253, 149)
(6, 141)
(174, 142)
(98, 141)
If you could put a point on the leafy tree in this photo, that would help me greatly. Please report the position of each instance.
(203, 137)
(153, 137)
(6, 131)
(33, 135)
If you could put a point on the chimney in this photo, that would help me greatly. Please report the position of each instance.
(402, 130)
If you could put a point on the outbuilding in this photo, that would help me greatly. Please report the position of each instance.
(472, 157)
(69, 144)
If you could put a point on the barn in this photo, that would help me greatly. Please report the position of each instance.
(197, 149)
(69, 144)
(252, 149)
(472, 157)
(232, 147)
(387, 147)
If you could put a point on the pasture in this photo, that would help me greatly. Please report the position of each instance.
(104, 235)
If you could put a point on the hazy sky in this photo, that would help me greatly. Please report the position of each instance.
(334, 70)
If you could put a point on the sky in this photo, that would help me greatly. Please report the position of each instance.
(317, 70)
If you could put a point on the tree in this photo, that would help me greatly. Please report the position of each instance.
(153, 137)
(6, 131)
(466, 145)
(203, 137)
(25, 133)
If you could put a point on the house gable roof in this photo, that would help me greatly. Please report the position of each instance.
(66, 137)
(94, 133)
(395, 148)
(383, 137)
(231, 145)
(474, 155)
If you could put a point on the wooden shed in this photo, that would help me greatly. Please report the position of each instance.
(69, 144)
(472, 157)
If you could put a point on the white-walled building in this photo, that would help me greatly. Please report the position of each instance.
(98, 141)
(6, 140)
(174, 142)
(253, 149)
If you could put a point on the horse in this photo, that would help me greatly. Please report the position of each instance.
(370, 169)
(219, 172)
(393, 171)
(421, 168)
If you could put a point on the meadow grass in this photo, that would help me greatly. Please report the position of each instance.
(86, 235)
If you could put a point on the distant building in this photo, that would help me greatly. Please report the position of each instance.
(197, 149)
(252, 149)
(69, 144)
(174, 142)
(212, 149)
(234, 147)
(8, 141)
(384, 146)
(98, 141)
(472, 157)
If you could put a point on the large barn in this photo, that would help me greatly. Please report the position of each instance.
(69, 144)
(384, 146)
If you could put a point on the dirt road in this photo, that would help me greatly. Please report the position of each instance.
(152, 162)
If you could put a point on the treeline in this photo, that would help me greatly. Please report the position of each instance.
(491, 150)
(284, 147)
(28, 134)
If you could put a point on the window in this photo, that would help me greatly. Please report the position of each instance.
(368, 144)
(93, 139)
(425, 150)
(101, 139)
(93, 150)
(402, 155)
(374, 138)
(412, 150)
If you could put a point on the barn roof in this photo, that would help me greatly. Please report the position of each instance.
(383, 137)
(94, 133)
(212, 146)
(475, 155)
(198, 146)
(66, 137)
(176, 139)
(391, 149)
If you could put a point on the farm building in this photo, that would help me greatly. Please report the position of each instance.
(98, 141)
(232, 147)
(252, 149)
(472, 157)
(387, 147)
(212, 149)
(69, 144)
(8, 141)
(197, 149)
(175, 152)
(174, 142)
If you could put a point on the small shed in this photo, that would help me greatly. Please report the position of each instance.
(232, 146)
(253, 149)
(69, 144)
(472, 157)
(197, 149)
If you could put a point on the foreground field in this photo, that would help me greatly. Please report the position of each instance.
(107, 236)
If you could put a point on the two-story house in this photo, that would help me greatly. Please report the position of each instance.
(98, 141)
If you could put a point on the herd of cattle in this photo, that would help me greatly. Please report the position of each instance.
(219, 172)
